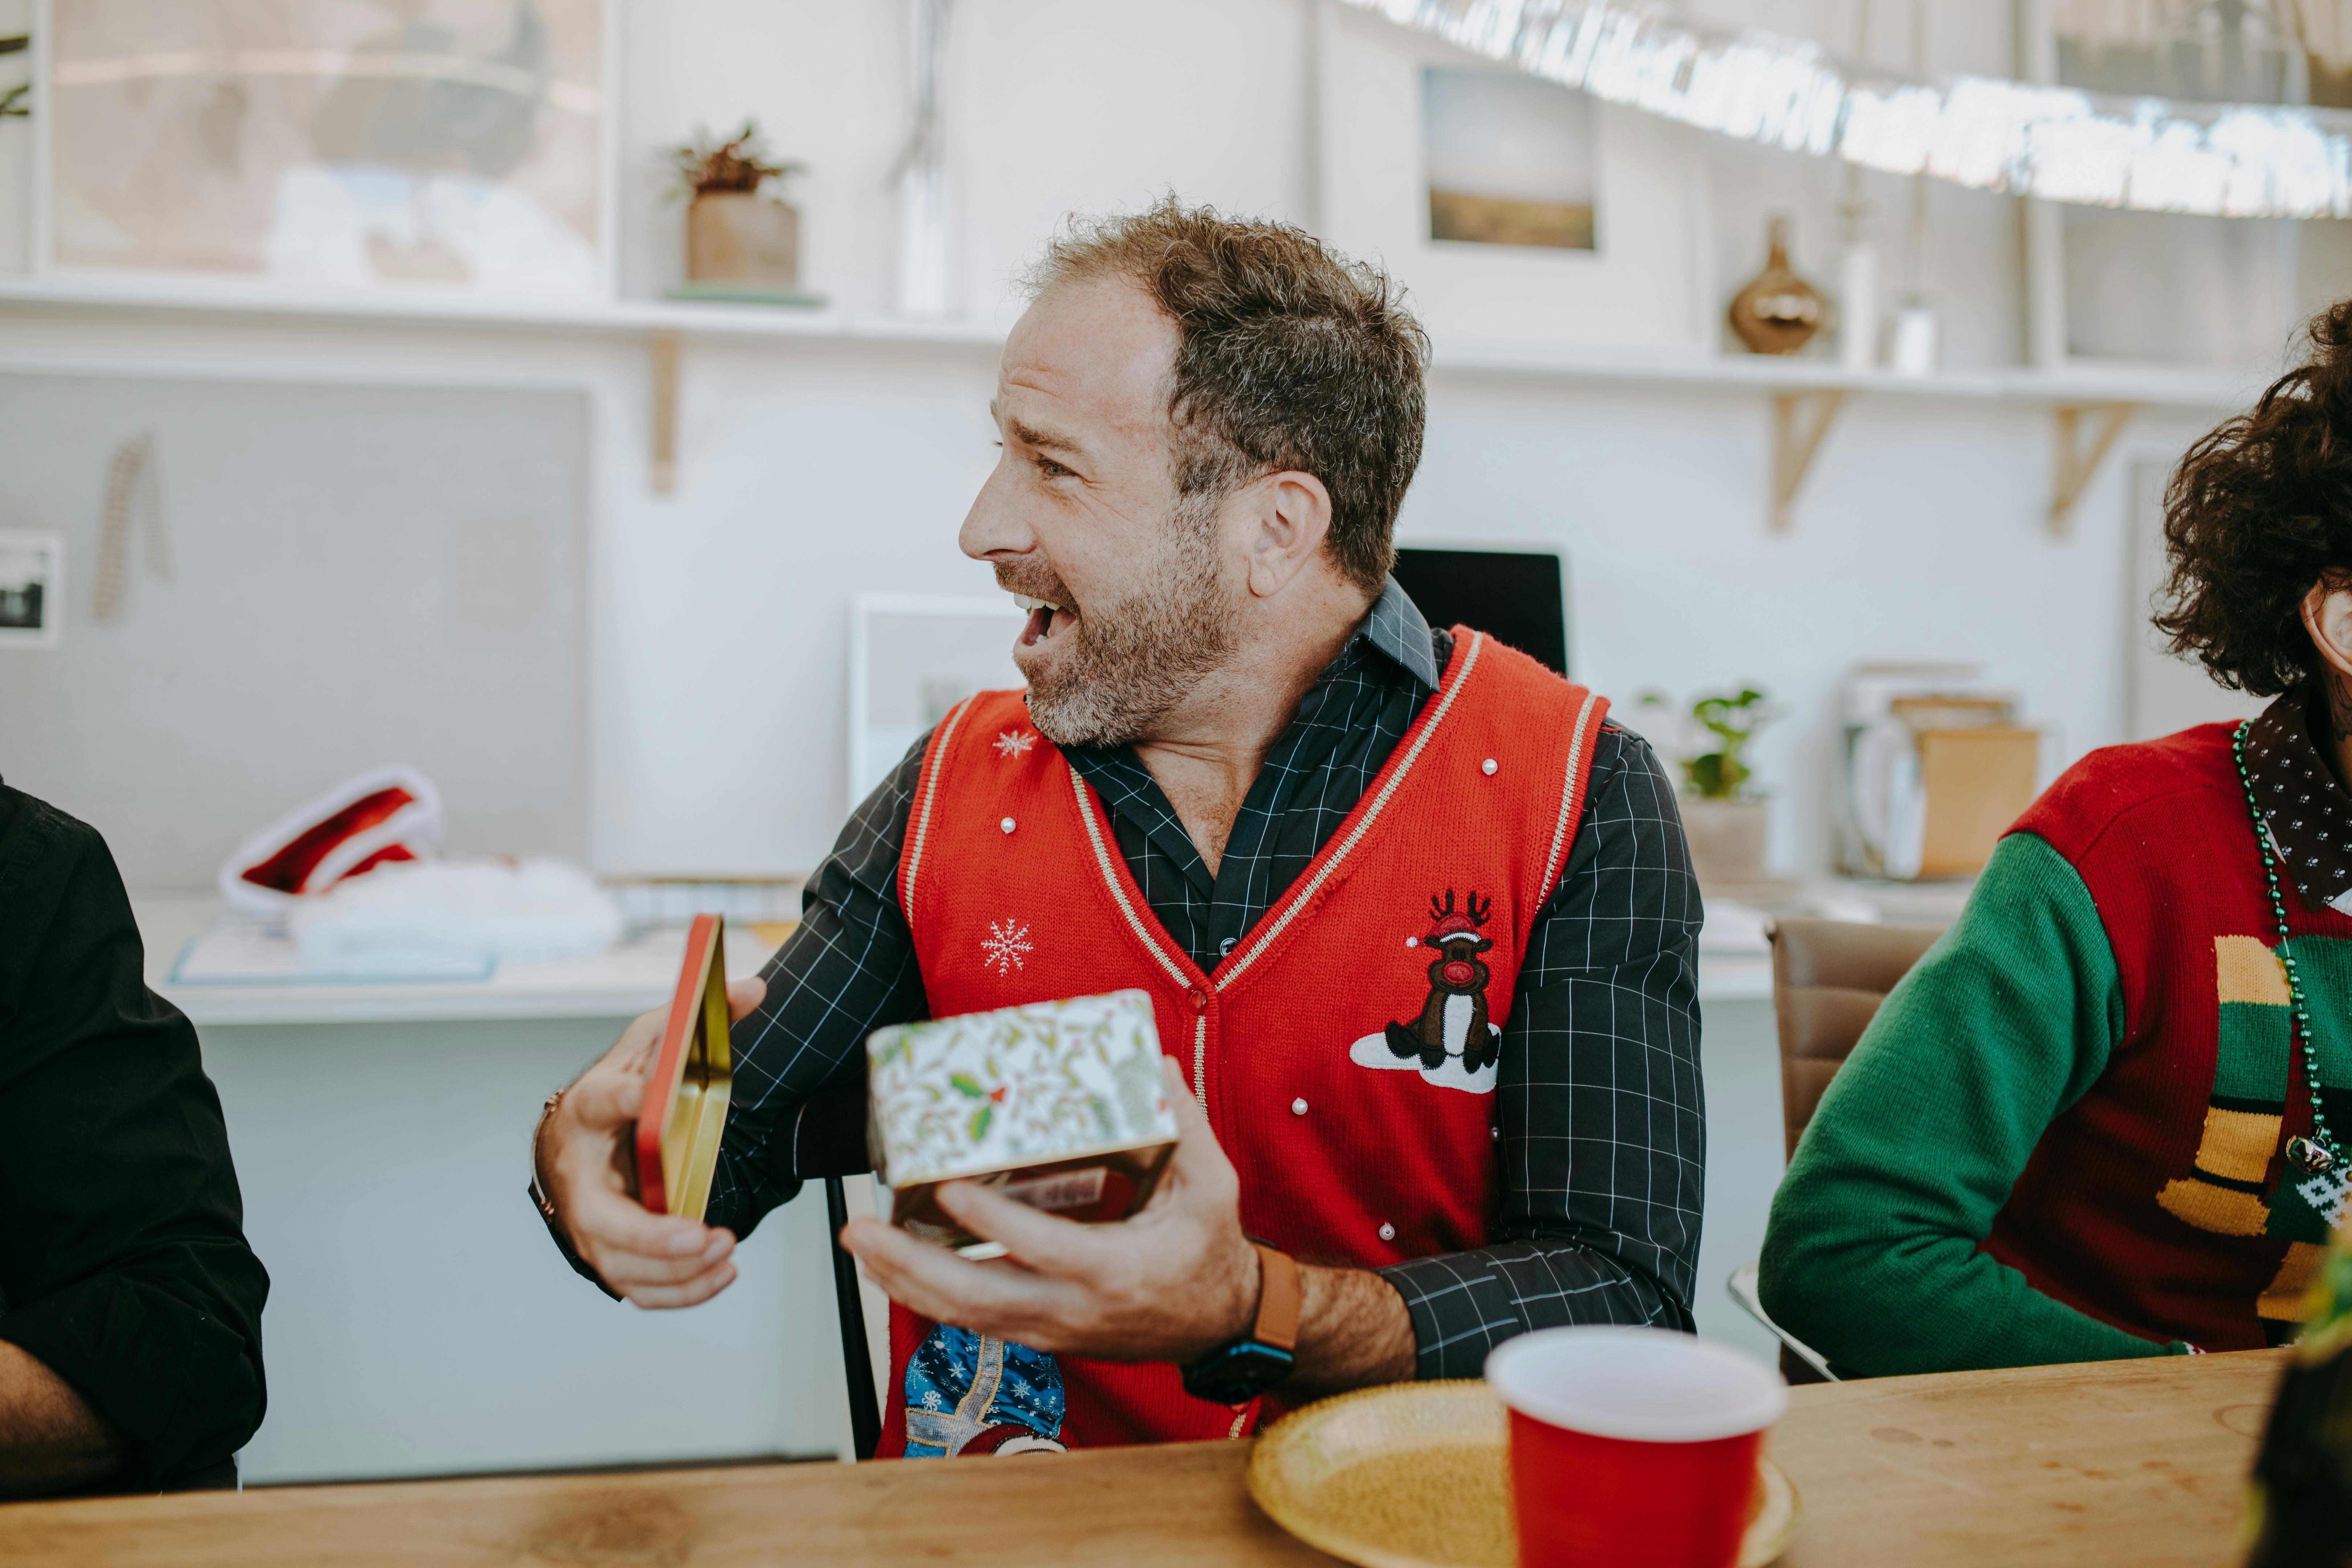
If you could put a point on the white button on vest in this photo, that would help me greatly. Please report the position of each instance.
(1413, 942)
(1487, 767)
(1006, 824)
(1297, 1108)
(1387, 1232)
(1496, 1132)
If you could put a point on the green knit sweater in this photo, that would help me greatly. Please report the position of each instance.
(1872, 1255)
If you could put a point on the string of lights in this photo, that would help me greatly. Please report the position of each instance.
(2229, 160)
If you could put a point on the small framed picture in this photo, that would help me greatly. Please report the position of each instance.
(1509, 160)
(1524, 217)
(32, 589)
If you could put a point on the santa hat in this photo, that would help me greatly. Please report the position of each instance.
(389, 813)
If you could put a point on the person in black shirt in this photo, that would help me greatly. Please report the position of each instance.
(129, 1303)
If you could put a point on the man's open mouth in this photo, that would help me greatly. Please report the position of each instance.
(1047, 619)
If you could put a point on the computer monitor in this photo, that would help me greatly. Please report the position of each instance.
(1518, 596)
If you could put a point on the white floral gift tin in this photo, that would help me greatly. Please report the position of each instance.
(1061, 1105)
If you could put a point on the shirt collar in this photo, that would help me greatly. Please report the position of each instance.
(2307, 812)
(1397, 628)
(1394, 628)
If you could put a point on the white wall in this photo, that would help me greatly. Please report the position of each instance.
(1920, 537)
(815, 477)
(811, 473)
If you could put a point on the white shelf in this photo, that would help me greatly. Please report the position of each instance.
(2167, 386)
(409, 307)
(2160, 385)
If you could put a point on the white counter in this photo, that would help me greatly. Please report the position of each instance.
(638, 975)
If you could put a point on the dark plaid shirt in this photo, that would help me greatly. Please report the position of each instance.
(1603, 1140)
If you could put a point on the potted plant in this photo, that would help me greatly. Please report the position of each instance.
(1724, 819)
(736, 232)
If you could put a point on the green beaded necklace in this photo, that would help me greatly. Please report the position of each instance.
(2320, 1153)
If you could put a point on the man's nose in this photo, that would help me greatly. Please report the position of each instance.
(994, 526)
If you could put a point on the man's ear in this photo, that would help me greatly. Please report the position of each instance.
(1286, 517)
(2327, 616)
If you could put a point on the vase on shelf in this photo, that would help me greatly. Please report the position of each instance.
(1778, 312)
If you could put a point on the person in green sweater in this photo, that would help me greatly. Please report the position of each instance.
(2101, 1118)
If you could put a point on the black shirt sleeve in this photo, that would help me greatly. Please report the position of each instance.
(847, 971)
(123, 1262)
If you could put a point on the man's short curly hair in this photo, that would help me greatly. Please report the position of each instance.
(2259, 510)
(1287, 357)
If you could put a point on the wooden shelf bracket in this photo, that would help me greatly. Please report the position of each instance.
(664, 464)
(2076, 464)
(1800, 421)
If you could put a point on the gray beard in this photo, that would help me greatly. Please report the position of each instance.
(1135, 659)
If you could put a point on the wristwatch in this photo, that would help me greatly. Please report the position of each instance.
(1238, 1373)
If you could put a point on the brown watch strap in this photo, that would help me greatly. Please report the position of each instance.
(1280, 1293)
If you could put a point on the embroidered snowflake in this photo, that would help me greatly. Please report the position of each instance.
(1014, 743)
(1005, 946)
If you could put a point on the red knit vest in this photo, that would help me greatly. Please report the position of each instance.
(1348, 1152)
(2159, 1201)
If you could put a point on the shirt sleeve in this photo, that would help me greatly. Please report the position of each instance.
(1603, 1140)
(1873, 1255)
(123, 1262)
(848, 970)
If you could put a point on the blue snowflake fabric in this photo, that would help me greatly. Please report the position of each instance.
(960, 1383)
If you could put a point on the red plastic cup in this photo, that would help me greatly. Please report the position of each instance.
(1633, 1446)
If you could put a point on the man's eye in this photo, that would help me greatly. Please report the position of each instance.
(1053, 470)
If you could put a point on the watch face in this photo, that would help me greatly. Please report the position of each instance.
(1237, 1373)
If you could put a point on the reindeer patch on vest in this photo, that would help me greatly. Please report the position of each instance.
(1450, 1042)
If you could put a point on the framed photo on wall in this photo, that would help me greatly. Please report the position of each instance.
(1521, 214)
(1511, 160)
(32, 589)
(433, 146)
(912, 657)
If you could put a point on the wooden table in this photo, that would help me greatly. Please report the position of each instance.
(2127, 1462)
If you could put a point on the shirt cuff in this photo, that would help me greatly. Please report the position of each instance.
(1450, 1334)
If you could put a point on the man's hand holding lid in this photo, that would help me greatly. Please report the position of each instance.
(582, 1154)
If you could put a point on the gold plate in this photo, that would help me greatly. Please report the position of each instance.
(1417, 1475)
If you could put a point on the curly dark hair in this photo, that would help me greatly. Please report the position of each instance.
(1288, 356)
(2258, 513)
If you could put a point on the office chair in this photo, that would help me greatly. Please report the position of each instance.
(828, 1141)
(1827, 979)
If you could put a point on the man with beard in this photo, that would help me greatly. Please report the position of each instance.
(1248, 778)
